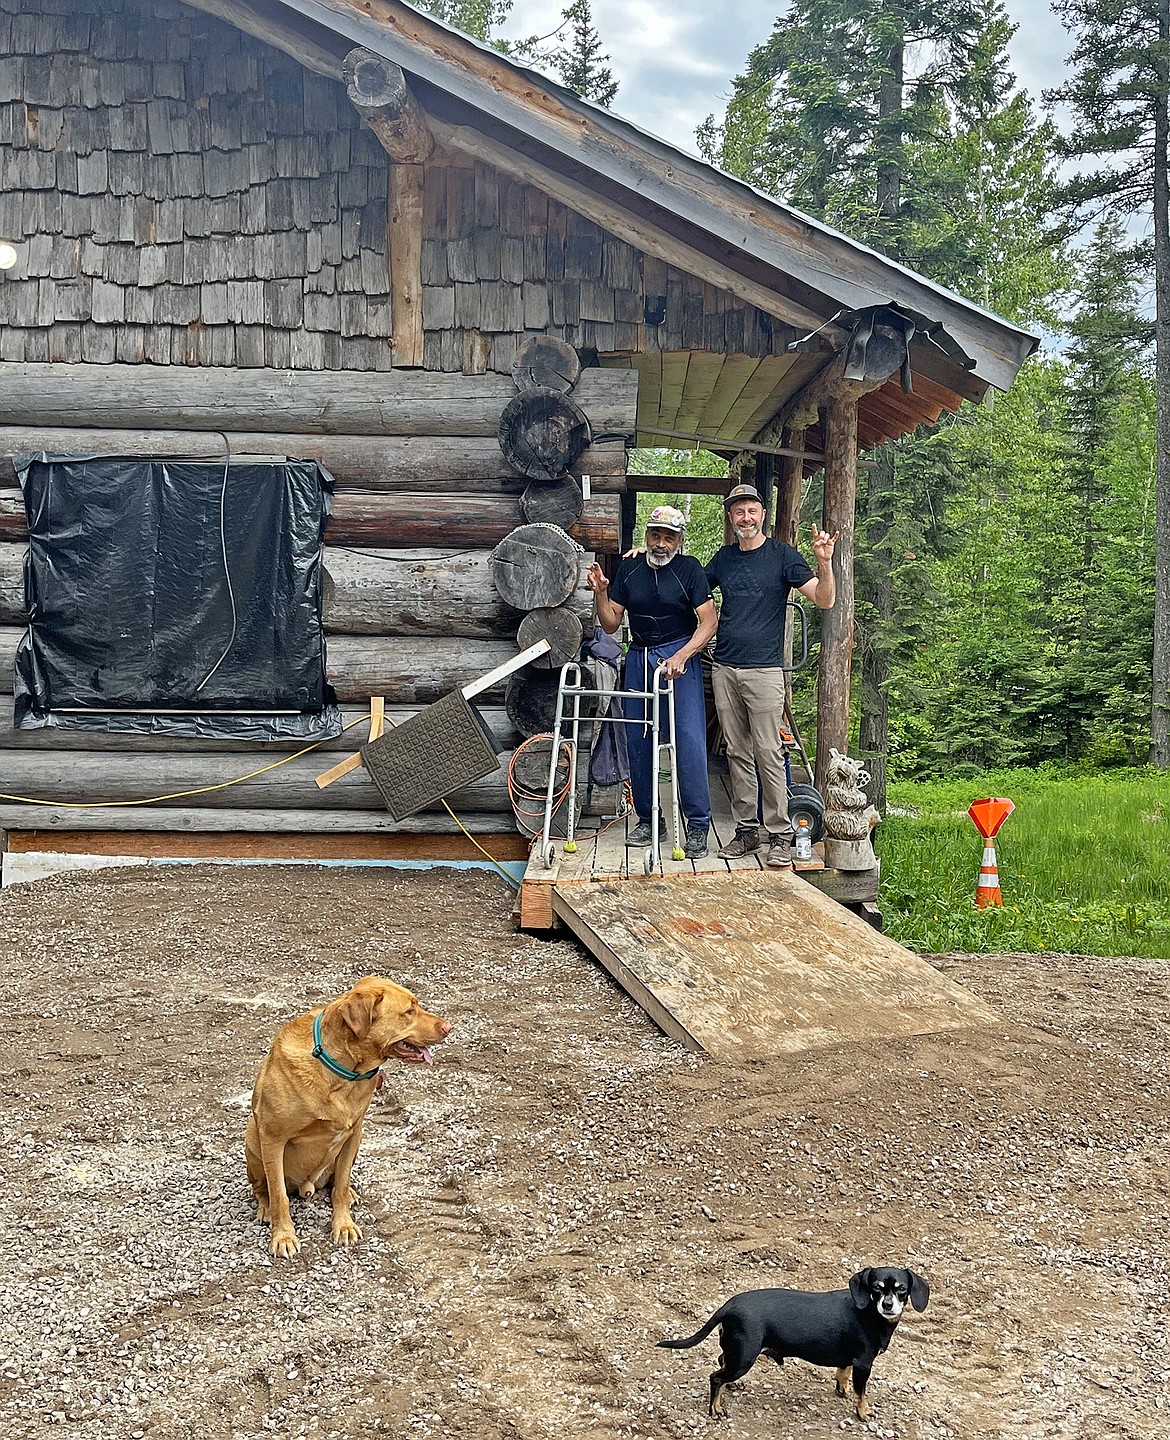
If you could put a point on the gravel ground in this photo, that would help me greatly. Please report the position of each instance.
(563, 1188)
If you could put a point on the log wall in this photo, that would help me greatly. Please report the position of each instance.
(410, 610)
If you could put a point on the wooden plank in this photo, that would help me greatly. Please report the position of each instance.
(737, 371)
(231, 844)
(260, 821)
(761, 391)
(702, 377)
(649, 368)
(569, 911)
(405, 236)
(674, 378)
(495, 717)
(753, 966)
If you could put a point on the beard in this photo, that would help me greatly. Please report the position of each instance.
(747, 531)
(659, 561)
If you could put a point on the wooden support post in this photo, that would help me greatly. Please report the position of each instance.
(788, 491)
(837, 623)
(380, 94)
(404, 241)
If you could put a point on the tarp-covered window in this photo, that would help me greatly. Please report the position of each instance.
(174, 596)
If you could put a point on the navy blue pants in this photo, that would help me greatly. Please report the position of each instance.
(690, 714)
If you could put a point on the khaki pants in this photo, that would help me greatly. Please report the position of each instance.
(750, 706)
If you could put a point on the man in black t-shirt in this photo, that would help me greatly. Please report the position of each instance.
(672, 616)
(754, 577)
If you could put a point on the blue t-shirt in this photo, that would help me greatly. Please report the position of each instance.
(754, 585)
(660, 603)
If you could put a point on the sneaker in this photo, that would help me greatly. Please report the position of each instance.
(696, 842)
(640, 834)
(779, 853)
(747, 840)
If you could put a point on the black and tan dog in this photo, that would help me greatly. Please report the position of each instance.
(845, 1329)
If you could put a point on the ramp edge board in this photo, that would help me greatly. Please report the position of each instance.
(760, 966)
(665, 1019)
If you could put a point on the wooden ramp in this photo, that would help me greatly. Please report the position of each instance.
(753, 963)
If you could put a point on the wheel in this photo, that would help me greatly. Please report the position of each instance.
(648, 863)
(805, 800)
(550, 856)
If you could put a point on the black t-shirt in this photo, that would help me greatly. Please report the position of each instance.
(755, 586)
(660, 604)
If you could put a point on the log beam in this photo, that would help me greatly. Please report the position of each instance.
(422, 591)
(396, 521)
(331, 402)
(418, 463)
(406, 670)
(379, 92)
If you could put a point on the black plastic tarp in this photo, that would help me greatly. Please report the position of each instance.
(174, 597)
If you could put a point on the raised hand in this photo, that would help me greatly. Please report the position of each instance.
(596, 579)
(823, 543)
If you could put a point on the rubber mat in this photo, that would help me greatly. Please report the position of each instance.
(427, 757)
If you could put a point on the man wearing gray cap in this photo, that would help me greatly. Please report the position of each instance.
(754, 576)
(672, 616)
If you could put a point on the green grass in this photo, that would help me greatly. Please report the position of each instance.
(1084, 864)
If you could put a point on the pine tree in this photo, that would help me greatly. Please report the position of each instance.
(1120, 97)
(581, 62)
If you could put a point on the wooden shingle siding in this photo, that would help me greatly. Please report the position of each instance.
(183, 194)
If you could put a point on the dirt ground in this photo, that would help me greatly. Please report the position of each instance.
(560, 1190)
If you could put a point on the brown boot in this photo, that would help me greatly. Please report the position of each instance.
(746, 842)
(779, 855)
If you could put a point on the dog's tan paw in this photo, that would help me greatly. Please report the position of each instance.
(284, 1245)
(346, 1231)
(262, 1211)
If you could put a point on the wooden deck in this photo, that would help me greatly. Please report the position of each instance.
(604, 854)
(734, 959)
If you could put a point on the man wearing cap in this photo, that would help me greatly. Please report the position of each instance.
(672, 616)
(754, 576)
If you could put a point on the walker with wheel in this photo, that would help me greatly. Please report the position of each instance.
(571, 689)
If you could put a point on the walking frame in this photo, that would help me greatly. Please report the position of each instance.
(570, 688)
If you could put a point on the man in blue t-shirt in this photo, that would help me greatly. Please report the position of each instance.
(754, 576)
(672, 616)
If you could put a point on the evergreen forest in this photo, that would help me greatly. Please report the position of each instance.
(1013, 561)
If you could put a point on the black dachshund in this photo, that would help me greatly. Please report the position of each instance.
(847, 1329)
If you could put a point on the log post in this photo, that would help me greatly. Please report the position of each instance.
(404, 241)
(788, 490)
(837, 623)
(380, 94)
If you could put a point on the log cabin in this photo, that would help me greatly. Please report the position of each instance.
(321, 231)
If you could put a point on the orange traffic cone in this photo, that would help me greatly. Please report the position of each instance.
(988, 816)
(987, 892)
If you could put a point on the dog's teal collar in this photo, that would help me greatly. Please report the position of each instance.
(320, 1053)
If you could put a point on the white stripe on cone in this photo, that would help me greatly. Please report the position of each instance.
(988, 892)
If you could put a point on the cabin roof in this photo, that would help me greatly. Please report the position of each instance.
(802, 273)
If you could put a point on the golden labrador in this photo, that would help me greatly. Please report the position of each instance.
(312, 1094)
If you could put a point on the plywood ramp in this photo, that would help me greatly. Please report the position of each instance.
(749, 964)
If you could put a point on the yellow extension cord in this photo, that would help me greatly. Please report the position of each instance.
(239, 780)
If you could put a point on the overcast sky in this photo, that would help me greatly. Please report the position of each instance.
(675, 59)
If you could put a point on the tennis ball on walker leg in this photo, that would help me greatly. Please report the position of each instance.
(678, 853)
(570, 847)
